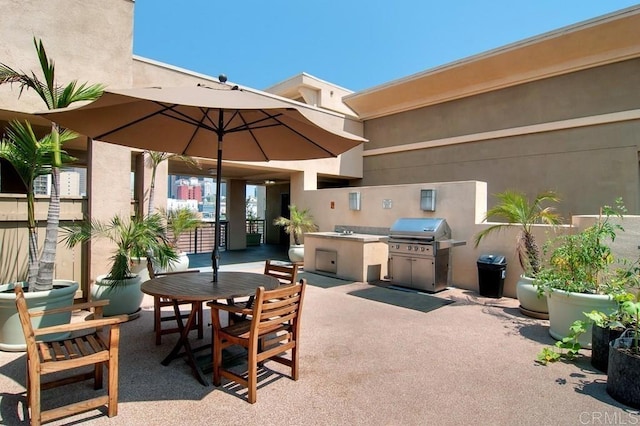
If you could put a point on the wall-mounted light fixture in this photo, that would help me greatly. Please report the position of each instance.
(428, 200)
(354, 201)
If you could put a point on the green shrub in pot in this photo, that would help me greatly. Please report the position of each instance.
(516, 210)
(580, 275)
(134, 238)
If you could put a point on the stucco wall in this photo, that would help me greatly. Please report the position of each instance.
(462, 204)
(585, 164)
(103, 56)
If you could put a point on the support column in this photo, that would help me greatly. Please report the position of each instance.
(109, 193)
(237, 214)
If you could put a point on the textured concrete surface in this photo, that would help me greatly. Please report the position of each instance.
(362, 362)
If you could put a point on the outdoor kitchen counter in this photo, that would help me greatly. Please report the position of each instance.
(357, 257)
(357, 237)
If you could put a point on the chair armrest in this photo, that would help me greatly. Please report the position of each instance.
(75, 307)
(84, 325)
(229, 308)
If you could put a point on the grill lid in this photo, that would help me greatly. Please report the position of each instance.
(421, 227)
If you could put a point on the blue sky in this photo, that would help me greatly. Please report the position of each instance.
(356, 44)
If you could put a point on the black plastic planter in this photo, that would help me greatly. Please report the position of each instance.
(623, 381)
(600, 339)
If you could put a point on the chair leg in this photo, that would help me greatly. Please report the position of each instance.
(98, 369)
(112, 390)
(198, 306)
(294, 362)
(252, 379)
(217, 358)
(33, 396)
(157, 320)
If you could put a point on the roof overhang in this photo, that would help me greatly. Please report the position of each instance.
(600, 41)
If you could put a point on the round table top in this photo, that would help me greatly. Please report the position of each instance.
(200, 286)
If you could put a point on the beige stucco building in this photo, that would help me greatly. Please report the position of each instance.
(558, 111)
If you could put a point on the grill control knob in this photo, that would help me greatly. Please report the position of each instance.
(421, 248)
(409, 248)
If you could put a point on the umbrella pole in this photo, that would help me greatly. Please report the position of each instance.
(215, 255)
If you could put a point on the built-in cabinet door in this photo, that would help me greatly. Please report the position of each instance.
(422, 276)
(401, 270)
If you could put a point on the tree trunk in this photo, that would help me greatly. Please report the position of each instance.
(152, 189)
(48, 257)
(33, 241)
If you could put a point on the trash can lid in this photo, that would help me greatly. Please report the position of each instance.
(492, 259)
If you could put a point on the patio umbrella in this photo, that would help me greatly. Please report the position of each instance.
(247, 125)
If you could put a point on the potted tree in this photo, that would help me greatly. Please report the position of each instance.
(580, 276)
(22, 149)
(31, 157)
(134, 237)
(298, 222)
(179, 221)
(517, 211)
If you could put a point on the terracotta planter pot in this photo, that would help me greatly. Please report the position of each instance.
(11, 336)
(567, 307)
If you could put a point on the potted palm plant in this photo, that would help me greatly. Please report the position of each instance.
(134, 237)
(517, 211)
(32, 157)
(179, 221)
(298, 222)
(580, 275)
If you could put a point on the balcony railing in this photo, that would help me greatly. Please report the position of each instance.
(202, 239)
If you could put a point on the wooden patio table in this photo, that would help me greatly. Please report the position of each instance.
(199, 287)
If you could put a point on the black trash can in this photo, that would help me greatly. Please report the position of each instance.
(492, 269)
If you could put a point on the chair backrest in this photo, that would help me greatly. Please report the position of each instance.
(154, 274)
(273, 308)
(286, 273)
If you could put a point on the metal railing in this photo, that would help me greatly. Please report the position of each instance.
(202, 239)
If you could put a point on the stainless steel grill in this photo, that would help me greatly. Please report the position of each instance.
(419, 253)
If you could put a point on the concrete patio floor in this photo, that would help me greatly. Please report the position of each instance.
(362, 362)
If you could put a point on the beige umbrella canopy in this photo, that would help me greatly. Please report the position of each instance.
(218, 121)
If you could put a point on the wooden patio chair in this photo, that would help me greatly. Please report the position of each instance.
(94, 348)
(160, 302)
(274, 328)
(285, 272)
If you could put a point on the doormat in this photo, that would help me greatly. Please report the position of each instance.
(322, 281)
(404, 298)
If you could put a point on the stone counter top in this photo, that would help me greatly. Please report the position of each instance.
(366, 238)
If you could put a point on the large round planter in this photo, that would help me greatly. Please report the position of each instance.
(139, 267)
(123, 298)
(11, 336)
(296, 253)
(180, 265)
(600, 339)
(567, 307)
(623, 376)
(531, 304)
